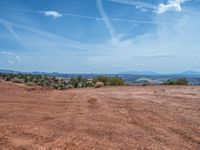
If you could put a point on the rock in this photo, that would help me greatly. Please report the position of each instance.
(99, 84)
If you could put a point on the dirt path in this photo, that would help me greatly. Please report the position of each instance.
(151, 117)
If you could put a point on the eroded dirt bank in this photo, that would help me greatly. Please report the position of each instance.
(151, 117)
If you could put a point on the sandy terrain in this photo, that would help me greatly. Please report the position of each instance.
(151, 117)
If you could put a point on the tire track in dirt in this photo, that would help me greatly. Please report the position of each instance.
(151, 117)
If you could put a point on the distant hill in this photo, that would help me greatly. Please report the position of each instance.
(140, 73)
(8, 71)
(129, 77)
(151, 73)
(57, 74)
(193, 73)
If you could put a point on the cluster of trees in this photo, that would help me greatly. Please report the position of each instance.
(179, 81)
(59, 83)
(109, 81)
(35, 80)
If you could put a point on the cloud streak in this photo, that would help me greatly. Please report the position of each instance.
(106, 20)
(9, 27)
(41, 32)
(135, 3)
(6, 53)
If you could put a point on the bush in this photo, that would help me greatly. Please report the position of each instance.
(103, 79)
(89, 84)
(116, 81)
(80, 82)
(179, 81)
(60, 86)
(17, 80)
(109, 80)
(57, 83)
(7, 78)
(182, 81)
(75, 82)
(29, 84)
(69, 86)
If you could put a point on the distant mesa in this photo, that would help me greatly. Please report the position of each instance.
(140, 73)
(151, 73)
(190, 73)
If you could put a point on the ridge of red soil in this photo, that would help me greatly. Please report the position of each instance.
(127, 117)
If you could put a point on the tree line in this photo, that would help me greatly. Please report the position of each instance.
(60, 83)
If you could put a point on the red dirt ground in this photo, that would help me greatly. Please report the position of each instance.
(129, 117)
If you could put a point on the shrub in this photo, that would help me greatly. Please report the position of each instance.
(60, 86)
(179, 81)
(7, 78)
(80, 82)
(103, 79)
(58, 83)
(182, 81)
(109, 80)
(17, 80)
(116, 81)
(69, 86)
(75, 81)
(29, 84)
(89, 84)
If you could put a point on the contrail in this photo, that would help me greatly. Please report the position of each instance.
(69, 42)
(103, 19)
(135, 3)
(63, 14)
(191, 12)
(80, 16)
(9, 27)
(106, 19)
(138, 21)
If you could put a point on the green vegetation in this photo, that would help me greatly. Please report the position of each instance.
(80, 82)
(29, 84)
(58, 83)
(179, 81)
(34, 80)
(113, 81)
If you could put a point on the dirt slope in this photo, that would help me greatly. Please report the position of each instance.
(151, 117)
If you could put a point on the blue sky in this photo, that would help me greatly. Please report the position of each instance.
(100, 36)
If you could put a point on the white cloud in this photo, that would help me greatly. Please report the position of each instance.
(17, 58)
(11, 62)
(172, 5)
(12, 57)
(53, 14)
(6, 53)
(116, 66)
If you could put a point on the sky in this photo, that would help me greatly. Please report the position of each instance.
(100, 36)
